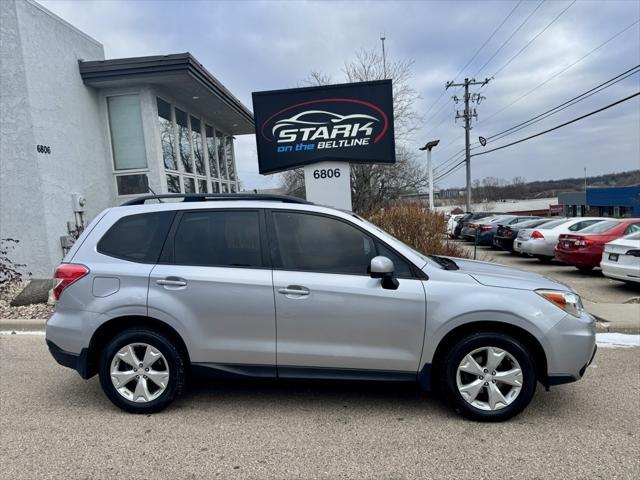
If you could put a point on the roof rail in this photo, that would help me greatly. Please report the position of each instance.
(206, 197)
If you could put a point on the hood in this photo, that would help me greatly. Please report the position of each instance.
(495, 275)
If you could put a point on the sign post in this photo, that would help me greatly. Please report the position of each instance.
(329, 183)
(324, 129)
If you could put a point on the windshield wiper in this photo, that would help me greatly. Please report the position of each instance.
(445, 262)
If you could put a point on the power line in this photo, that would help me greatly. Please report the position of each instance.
(567, 104)
(510, 37)
(558, 126)
(534, 39)
(555, 75)
(475, 55)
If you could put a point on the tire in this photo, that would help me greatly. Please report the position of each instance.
(584, 268)
(164, 359)
(517, 400)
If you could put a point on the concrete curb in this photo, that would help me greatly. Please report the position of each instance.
(22, 324)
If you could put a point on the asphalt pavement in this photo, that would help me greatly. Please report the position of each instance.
(53, 424)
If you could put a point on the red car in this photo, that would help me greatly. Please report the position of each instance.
(584, 250)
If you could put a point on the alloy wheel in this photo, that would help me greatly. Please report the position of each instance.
(489, 378)
(139, 372)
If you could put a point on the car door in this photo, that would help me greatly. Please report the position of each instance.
(214, 281)
(333, 319)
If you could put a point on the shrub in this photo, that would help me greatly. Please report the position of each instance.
(9, 271)
(418, 227)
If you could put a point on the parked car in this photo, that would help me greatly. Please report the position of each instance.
(458, 228)
(621, 259)
(451, 224)
(469, 226)
(584, 250)
(486, 231)
(541, 242)
(150, 292)
(506, 234)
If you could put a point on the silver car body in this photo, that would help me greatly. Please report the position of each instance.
(329, 324)
(524, 243)
(621, 259)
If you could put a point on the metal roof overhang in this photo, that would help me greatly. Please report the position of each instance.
(182, 77)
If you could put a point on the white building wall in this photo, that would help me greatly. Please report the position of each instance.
(44, 102)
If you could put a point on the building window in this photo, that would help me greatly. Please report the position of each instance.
(173, 183)
(222, 162)
(167, 135)
(211, 151)
(184, 143)
(132, 184)
(193, 163)
(127, 136)
(228, 147)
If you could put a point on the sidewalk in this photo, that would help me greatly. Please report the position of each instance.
(615, 317)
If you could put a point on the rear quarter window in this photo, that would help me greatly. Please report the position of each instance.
(137, 238)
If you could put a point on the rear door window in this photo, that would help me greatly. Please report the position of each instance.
(137, 238)
(225, 238)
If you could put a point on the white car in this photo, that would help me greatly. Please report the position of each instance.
(451, 224)
(540, 242)
(621, 259)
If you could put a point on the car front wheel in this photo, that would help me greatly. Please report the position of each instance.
(489, 376)
(141, 371)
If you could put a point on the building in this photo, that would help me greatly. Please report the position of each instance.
(535, 207)
(602, 202)
(80, 133)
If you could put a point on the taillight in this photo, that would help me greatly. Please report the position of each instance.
(633, 253)
(65, 275)
(473, 225)
(537, 234)
(508, 233)
(582, 242)
(486, 228)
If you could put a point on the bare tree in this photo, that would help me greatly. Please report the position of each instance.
(374, 186)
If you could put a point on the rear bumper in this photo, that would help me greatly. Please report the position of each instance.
(536, 247)
(618, 272)
(75, 361)
(590, 259)
(506, 243)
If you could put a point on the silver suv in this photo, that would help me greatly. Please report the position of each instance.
(270, 286)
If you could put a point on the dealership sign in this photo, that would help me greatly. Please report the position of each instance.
(349, 122)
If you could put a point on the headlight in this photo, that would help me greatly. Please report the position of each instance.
(568, 301)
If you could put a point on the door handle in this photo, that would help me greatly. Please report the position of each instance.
(294, 290)
(172, 282)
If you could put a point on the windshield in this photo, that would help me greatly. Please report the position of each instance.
(554, 223)
(600, 227)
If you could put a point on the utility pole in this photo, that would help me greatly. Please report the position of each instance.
(468, 115)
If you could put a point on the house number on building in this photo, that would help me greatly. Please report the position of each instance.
(44, 149)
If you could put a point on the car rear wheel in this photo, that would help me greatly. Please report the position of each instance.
(141, 371)
(489, 376)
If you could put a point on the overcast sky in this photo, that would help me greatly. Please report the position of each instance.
(253, 46)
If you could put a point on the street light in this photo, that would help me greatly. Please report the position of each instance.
(428, 147)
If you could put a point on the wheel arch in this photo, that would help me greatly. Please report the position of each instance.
(109, 329)
(434, 378)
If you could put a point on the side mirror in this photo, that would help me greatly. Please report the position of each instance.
(382, 267)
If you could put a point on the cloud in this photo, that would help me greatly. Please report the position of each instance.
(253, 46)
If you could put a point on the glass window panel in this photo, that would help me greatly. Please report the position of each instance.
(167, 135)
(215, 187)
(224, 239)
(221, 157)
(202, 186)
(211, 150)
(189, 185)
(225, 188)
(127, 137)
(184, 140)
(173, 183)
(228, 148)
(138, 238)
(233, 188)
(321, 244)
(196, 141)
(132, 184)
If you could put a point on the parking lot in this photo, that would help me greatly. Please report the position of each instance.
(592, 286)
(53, 424)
